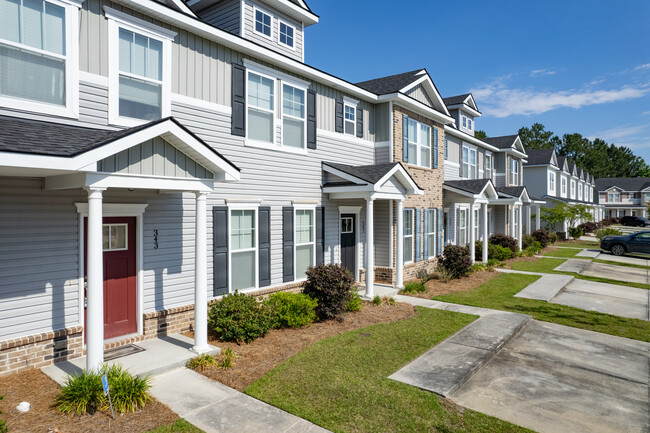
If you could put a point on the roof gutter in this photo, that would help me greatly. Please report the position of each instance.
(463, 135)
(416, 105)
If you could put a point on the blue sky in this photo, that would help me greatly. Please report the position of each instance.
(572, 65)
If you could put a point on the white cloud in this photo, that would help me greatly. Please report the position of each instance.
(641, 67)
(620, 132)
(541, 72)
(502, 101)
(645, 113)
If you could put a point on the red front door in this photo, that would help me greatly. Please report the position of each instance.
(119, 275)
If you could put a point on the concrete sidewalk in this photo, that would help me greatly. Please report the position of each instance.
(216, 408)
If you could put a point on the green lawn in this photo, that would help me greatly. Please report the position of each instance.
(564, 252)
(342, 384)
(577, 244)
(629, 265)
(180, 426)
(498, 293)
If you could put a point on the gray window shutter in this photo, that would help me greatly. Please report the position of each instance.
(220, 249)
(311, 119)
(359, 123)
(287, 244)
(460, 159)
(435, 147)
(264, 233)
(418, 234)
(238, 122)
(425, 238)
(440, 217)
(320, 235)
(405, 139)
(339, 116)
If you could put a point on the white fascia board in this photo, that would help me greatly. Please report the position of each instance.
(343, 175)
(295, 11)
(466, 108)
(416, 106)
(128, 181)
(515, 152)
(164, 14)
(464, 136)
(492, 190)
(458, 191)
(402, 176)
(426, 81)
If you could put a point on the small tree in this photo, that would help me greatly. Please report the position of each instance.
(562, 212)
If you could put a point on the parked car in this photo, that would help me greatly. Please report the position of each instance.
(635, 221)
(635, 243)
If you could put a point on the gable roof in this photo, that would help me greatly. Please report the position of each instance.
(540, 156)
(503, 142)
(512, 191)
(391, 83)
(624, 183)
(466, 99)
(474, 186)
(372, 176)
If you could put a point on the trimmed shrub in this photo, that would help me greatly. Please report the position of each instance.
(413, 287)
(355, 304)
(332, 286)
(292, 310)
(531, 250)
(590, 226)
(456, 261)
(238, 317)
(499, 253)
(542, 236)
(82, 394)
(505, 241)
(527, 240)
(607, 231)
(491, 263)
(553, 237)
(576, 232)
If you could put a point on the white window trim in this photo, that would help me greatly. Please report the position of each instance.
(572, 190)
(551, 182)
(354, 104)
(488, 157)
(471, 168)
(563, 189)
(259, 143)
(477, 215)
(255, 10)
(412, 236)
(236, 207)
(292, 47)
(433, 231)
(462, 227)
(419, 145)
(514, 174)
(117, 20)
(71, 108)
(304, 119)
(295, 243)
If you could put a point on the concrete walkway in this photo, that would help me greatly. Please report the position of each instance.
(621, 273)
(451, 363)
(216, 408)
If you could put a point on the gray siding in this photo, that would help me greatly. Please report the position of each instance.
(274, 42)
(536, 181)
(154, 157)
(382, 154)
(326, 111)
(419, 93)
(382, 232)
(452, 170)
(382, 122)
(224, 15)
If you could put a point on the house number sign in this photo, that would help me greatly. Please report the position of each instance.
(155, 239)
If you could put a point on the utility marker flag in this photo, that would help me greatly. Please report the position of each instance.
(107, 392)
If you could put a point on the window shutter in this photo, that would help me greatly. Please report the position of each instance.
(287, 244)
(404, 214)
(418, 235)
(320, 235)
(440, 217)
(405, 139)
(359, 123)
(339, 116)
(220, 249)
(264, 218)
(478, 153)
(460, 160)
(435, 147)
(425, 239)
(238, 122)
(311, 119)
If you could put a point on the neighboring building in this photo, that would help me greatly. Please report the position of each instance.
(555, 179)
(624, 196)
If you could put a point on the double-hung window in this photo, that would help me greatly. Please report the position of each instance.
(139, 70)
(563, 186)
(408, 235)
(350, 113)
(464, 122)
(263, 23)
(38, 59)
(488, 163)
(469, 163)
(476, 213)
(243, 249)
(614, 197)
(446, 149)
(286, 34)
(469, 123)
(551, 182)
(573, 189)
(514, 172)
(515, 223)
(261, 91)
(579, 192)
(419, 143)
(305, 241)
(293, 117)
(462, 227)
(586, 193)
(432, 232)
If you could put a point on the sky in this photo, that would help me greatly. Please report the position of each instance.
(573, 65)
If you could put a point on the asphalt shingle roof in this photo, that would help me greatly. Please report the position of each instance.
(503, 142)
(625, 183)
(473, 186)
(513, 191)
(539, 156)
(390, 84)
(455, 100)
(368, 173)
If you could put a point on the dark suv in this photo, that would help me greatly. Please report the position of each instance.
(635, 243)
(635, 221)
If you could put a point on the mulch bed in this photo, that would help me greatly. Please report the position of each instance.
(39, 390)
(256, 359)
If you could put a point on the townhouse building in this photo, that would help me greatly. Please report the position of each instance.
(555, 179)
(155, 155)
(623, 196)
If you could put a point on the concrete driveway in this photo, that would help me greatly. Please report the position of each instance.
(553, 378)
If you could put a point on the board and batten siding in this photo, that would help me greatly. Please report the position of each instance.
(274, 42)
(419, 94)
(224, 15)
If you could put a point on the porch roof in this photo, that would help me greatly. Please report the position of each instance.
(475, 189)
(389, 180)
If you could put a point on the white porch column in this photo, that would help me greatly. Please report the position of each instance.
(485, 233)
(529, 220)
(472, 235)
(95, 290)
(370, 249)
(519, 227)
(512, 221)
(201, 276)
(399, 239)
(538, 217)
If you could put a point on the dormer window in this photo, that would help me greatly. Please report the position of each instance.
(464, 122)
(286, 34)
(263, 23)
(469, 123)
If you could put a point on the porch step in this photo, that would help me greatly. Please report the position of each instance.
(159, 356)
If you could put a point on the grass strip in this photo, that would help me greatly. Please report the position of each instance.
(180, 426)
(342, 384)
(498, 294)
(564, 252)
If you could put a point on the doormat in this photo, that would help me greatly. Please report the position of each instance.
(121, 351)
